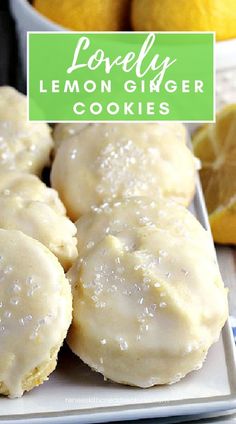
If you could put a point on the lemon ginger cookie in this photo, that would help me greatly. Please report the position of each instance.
(35, 312)
(148, 299)
(24, 146)
(40, 221)
(29, 187)
(28, 205)
(103, 162)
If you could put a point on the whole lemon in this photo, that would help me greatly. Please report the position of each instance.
(186, 15)
(86, 15)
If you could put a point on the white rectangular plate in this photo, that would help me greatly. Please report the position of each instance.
(75, 394)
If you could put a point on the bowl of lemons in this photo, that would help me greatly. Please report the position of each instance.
(139, 15)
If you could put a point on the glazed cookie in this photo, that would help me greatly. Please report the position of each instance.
(30, 187)
(41, 222)
(105, 161)
(35, 312)
(148, 299)
(24, 146)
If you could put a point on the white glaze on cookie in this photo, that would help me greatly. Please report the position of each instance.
(24, 146)
(43, 223)
(106, 161)
(35, 308)
(148, 296)
(29, 187)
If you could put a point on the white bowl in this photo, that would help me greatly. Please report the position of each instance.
(28, 19)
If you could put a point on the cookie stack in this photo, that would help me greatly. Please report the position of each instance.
(148, 299)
